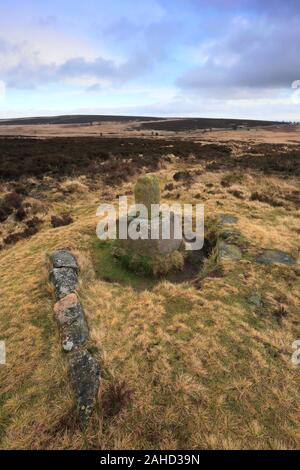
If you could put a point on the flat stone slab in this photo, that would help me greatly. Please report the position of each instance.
(227, 250)
(85, 378)
(228, 219)
(63, 259)
(64, 280)
(275, 256)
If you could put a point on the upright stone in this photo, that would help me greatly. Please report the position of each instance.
(147, 192)
(149, 244)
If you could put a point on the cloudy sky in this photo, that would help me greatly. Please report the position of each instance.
(217, 58)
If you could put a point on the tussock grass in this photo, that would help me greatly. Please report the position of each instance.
(182, 367)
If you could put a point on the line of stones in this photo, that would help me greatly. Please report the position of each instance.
(84, 369)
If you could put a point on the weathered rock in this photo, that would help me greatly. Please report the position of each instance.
(68, 310)
(227, 250)
(146, 243)
(63, 259)
(74, 332)
(230, 234)
(228, 219)
(64, 280)
(275, 256)
(85, 377)
(256, 299)
(74, 335)
(147, 192)
(149, 246)
(71, 319)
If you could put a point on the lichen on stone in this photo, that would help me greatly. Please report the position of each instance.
(147, 192)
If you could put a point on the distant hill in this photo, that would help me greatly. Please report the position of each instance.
(189, 124)
(73, 119)
(153, 123)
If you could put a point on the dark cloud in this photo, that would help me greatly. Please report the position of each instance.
(232, 6)
(254, 53)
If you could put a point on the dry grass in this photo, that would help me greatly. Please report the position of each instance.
(182, 367)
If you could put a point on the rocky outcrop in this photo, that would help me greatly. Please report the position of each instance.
(84, 369)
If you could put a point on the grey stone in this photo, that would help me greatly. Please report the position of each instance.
(228, 219)
(275, 256)
(63, 259)
(255, 299)
(152, 247)
(230, 234)
(64, 280)
(77, 334)
(227, 250)
(71, 319)
(83, 368)
(68, 309)
(85, 378)
(147, 192)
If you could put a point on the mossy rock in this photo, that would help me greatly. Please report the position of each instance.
(158, 265)
(275, 256)
(227, 250)
(147, 192)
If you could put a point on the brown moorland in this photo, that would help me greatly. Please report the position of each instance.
(198, 364)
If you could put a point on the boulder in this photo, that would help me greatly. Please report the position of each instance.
(227, 250)
(85, 378)
(255, 298)
(228, 219)
(275, 256)
(70, 316)
(64, 280)
(63, 259)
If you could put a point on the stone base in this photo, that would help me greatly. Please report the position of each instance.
(149, 246)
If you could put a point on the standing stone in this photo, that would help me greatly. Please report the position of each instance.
(147, 192)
